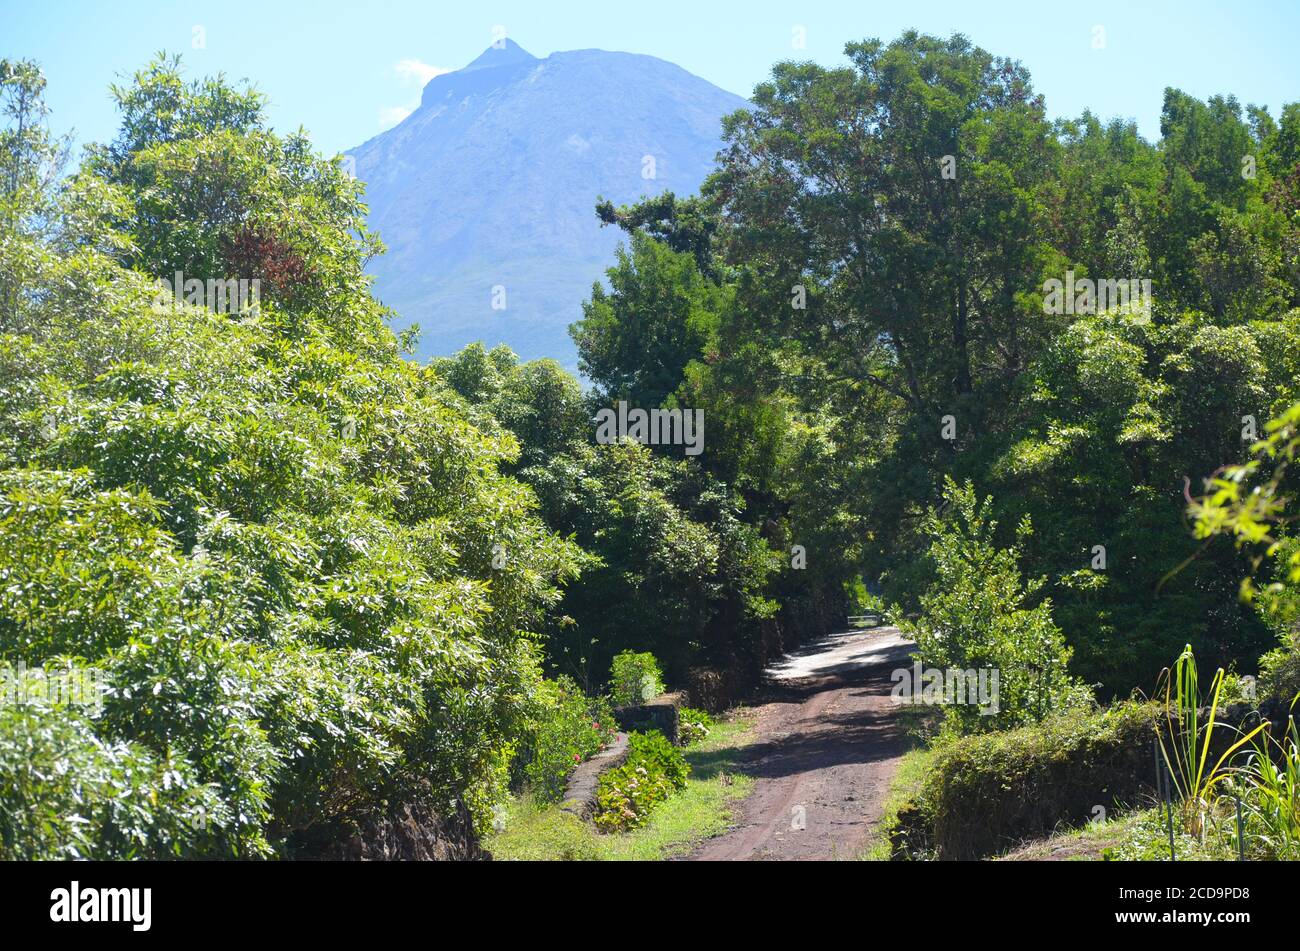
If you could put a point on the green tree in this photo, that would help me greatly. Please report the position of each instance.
(635, 340)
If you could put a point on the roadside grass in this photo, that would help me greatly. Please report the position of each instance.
(533, 832)
(904, 785)
(921, 725)
(1086, 843)
(1139, 836)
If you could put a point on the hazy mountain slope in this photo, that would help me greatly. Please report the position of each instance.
(493, 180)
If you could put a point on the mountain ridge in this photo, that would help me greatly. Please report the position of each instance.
(487, 190)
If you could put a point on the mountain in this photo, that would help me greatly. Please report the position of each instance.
(492, 183)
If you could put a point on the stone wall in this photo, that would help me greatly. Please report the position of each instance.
(405, 831)
(658, 714)
(580, 793)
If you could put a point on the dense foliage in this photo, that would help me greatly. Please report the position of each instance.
(570, 727)
(269, 532)
(672, 564)
(870, 315)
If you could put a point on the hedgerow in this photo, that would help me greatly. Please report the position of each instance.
(987, 792)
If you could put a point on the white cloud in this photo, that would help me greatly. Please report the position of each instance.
(391, 115)
(410, 72)
(413, 70)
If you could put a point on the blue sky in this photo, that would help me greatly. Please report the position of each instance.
(347, 70)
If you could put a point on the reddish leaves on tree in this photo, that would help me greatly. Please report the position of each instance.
(263, 255)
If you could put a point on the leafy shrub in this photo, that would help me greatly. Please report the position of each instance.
(1279, 673)
(70, 795)
(975, 616)
(692, 725)
(653, 750)
(635, 678)
(571, 727)
(654, 770)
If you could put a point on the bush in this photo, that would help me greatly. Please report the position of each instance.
(70, 795)
(635, 678)
(654, 770)
(986, 793)
(571, 728)
(975, 616)
(1279, 674)
(692, 725)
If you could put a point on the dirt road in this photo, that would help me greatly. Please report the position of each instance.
(828, 742)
